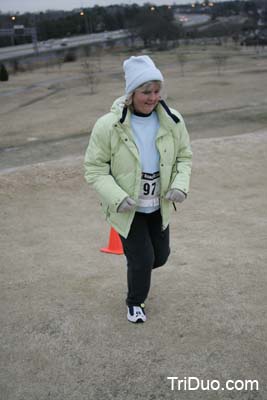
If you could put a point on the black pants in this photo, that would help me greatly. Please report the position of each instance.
(146, 247)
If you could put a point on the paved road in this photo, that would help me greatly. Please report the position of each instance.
(192, 19)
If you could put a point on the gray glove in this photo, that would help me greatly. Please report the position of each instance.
(126, 205)
(175, 195)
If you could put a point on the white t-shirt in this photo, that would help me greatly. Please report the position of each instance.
(145, 129)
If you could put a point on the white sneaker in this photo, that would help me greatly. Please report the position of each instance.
(136, 313)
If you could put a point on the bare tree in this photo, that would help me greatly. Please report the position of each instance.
(89, 69)
(99, 55)
(182, 58)
(59, 61)
(220, 60)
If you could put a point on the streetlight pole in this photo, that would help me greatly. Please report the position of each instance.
(34, 35)
(83, 14)
(13, 19)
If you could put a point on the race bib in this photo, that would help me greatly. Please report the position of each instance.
(150, 190)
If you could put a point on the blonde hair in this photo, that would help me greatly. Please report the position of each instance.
(145, 86)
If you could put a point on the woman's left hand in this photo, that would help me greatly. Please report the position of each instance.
(175, 195)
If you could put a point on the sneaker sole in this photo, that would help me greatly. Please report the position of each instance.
(138, 321)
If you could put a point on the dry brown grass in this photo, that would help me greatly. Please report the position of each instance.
(54, 103)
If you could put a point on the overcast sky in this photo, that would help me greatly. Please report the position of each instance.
(42, 5)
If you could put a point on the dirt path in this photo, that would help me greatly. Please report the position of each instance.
(64, 333)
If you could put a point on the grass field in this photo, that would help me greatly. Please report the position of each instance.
(54, 104)
(64, 333)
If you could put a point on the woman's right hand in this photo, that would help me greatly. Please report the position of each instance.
(126, 205)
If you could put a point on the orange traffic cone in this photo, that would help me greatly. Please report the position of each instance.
(114, 244)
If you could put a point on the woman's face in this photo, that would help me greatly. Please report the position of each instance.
(146, 98)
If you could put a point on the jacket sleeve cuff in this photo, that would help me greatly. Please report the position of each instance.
(113, 206)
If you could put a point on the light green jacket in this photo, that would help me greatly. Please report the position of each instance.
(112, 162)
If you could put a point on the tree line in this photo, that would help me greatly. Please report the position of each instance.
(151, 23)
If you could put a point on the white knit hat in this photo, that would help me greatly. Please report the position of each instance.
(139, 70)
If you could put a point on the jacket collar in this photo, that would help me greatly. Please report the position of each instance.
(124, 113)
(162, 103)
(168, 111)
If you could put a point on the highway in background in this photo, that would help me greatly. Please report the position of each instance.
(192, 19)
(15, 52)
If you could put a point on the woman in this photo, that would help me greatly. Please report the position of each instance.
(139, 162)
